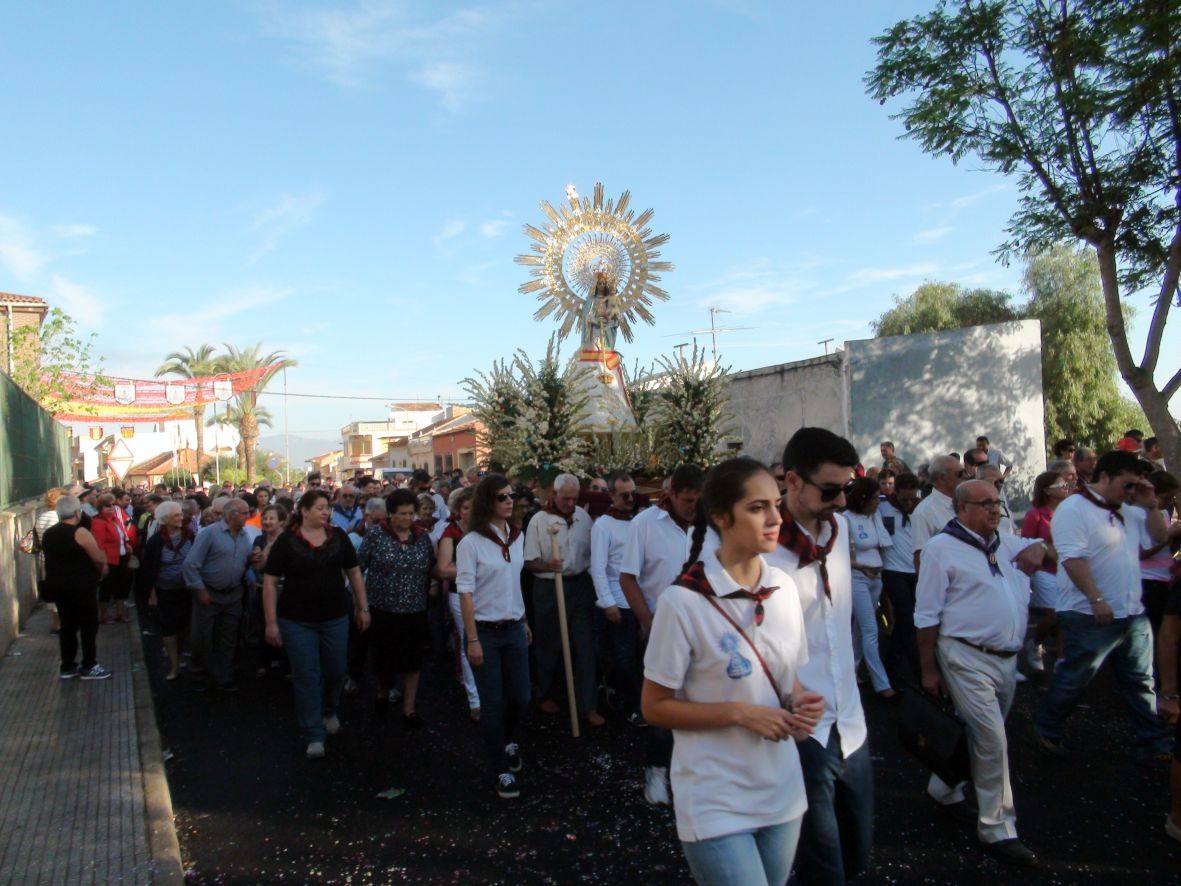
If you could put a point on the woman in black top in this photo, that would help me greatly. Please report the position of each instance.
(73, 565)
(310, 617)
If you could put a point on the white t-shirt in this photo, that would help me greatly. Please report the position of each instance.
(1109, 547)
(656, 551)
(958, 593)
(932, 514)
(729, 780)
(829, 627)
(899, 557)
(1158, 566)
(493, 582)
(608, 539)
(868, 536)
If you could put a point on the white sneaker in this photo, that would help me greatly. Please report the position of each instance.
(656, 786)
(395, 695)
(315, 750)
(332, 724)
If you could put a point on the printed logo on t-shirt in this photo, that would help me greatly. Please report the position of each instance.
(739, 665)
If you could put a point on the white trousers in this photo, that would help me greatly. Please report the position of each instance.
(866, 593)
(981, 685)
(469, 680)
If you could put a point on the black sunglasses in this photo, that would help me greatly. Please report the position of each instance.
(502, 497)
(830, 493)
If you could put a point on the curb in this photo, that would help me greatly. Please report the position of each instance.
(168, 869)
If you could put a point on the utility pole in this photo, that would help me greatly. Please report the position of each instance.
(286, 438)
(825, 342)
(713, 330)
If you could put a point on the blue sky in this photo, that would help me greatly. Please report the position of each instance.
(347, 181)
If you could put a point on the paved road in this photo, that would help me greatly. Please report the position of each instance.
(249, 809)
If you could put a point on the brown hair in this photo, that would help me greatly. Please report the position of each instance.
(1041, 484)
(105, 500)
(865, 490)
(484, 502)
(307, 501)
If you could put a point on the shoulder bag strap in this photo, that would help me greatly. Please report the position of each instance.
(766, 670)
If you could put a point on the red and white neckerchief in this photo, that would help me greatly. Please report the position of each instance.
(683, 525)
(550, 509)
(1085, 491)
(505, 546)
(620, 515)
(694, 579)
(793, 537)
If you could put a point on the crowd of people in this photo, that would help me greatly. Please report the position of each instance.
(726, 615)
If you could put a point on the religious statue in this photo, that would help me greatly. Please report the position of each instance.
(599, 321)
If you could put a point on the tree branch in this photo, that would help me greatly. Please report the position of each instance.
(1164, 301)
(1171, 386)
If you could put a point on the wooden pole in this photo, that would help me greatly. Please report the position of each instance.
(560, 594)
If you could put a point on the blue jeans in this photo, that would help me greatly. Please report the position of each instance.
(503, 683)
(902, 655)
(837, 835)
(618, 643)
(761, 857)
(1085, 646)
(318, 653)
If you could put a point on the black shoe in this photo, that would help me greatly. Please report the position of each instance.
(515, 764)
(412, 722)
(635, 718)
(1011, 852)
(1047, 747)
(381, 710)
(961, 811)
(507, 787)
(227, 687)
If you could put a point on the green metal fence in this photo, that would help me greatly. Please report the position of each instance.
(34, 449)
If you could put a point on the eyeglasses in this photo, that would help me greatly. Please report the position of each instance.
(1057, 486)
(502, 497)
(990, 504)
(831, 493)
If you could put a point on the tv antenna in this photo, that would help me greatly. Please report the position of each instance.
(713, 330)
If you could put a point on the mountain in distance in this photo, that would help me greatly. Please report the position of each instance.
(302, 448)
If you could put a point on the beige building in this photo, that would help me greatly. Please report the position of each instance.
(18, 312)
(328, 464)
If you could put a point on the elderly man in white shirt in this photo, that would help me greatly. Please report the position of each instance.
(1097, 536)
(658, 542)
(971, 615)
(936, 509)
(837, 834)
(572, 526)
(620, 632)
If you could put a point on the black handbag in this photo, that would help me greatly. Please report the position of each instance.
(930, 730)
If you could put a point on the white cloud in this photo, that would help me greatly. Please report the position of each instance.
(19, 252)
(755, 287)
(278, 220)
(76, 300)
(209, 314)
(932, 235)
(870, 276)
(494, 228)
(969, 199)
(450, 231)
(352, 45)
(74, 230)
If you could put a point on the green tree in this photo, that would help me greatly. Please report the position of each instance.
(190, 363)
(55, 365)
(1081, 99)
(249, 416)
(1082, 401)
(935, 305)
(496, 401)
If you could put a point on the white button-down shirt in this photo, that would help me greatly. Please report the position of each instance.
(608, 539)
(656, 551)
(574, 541)
(1087, 532)
(828, 625)
(958, 593)
(929, 518)
(493, 582)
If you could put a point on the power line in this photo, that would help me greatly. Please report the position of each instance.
(355, 397)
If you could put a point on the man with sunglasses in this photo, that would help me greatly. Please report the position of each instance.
(346, 513)
(971, 615)
(1100, 612)
(837, 833)
(617, 622)
(937, 508)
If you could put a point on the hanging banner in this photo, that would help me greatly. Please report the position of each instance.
(127, 432)
(141, 399)
(96, 433)
(124, 392)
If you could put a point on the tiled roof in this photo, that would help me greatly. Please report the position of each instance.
(22, 299)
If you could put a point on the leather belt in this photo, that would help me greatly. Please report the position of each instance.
(498, 625)
(999, 653)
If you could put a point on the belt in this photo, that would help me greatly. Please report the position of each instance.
(999, 653)
(223, 590)
(498, 625)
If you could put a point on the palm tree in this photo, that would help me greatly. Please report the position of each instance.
(200, 363)
(248, 414)
(233, 417)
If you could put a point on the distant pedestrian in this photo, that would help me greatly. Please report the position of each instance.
(74, 563)
(162, 571)
(116, 536)
(489, 560)
(455, 528)
(868, 536)
(310, 617)
(45, 519)
(213, 572)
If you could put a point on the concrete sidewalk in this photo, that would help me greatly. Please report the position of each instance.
(83, 797)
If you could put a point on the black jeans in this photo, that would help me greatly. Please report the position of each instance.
(617, 645)
(78, 610)
(902, 655)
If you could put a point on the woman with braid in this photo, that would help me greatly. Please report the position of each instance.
(720, 671)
